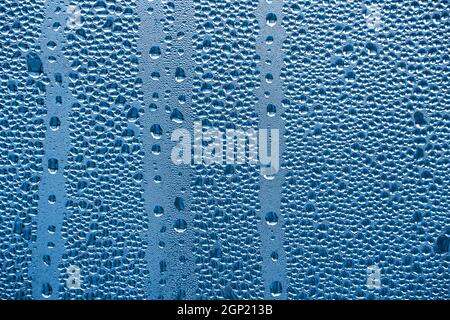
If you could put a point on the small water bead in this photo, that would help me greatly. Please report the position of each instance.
(51, 45)
(47, 259)
(155, 52)
(47, 290)
(128, 134)
(158, 211)
(156, 149)
(34, 63)
(419, 119)
(271, 110)
(176, 116)
(156, 131)
(179, 203)
(53, 165)
(51, 199)
(268, 177)
(56, 26)
(271, 218)
(54, 123)
(132, 114)
(274, 256)
(295, 8)
(180, 75)
(155, 75)
(180, 225)
(229, 170)
(443, 244)
(276, 288)
(271, 19)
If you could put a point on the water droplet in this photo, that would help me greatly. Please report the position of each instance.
(180, 225)
(271, 19)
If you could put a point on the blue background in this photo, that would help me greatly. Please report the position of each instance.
(86, 177)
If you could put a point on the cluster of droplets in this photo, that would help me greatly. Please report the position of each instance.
(367, 158)
(104, 228)
(225, 197)
(22, 130)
